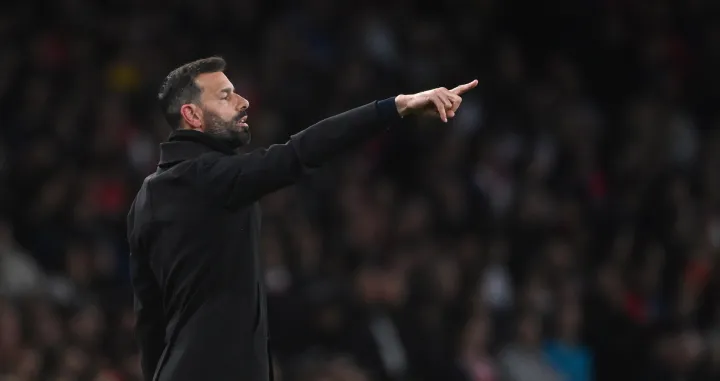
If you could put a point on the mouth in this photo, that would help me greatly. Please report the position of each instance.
(242, 121)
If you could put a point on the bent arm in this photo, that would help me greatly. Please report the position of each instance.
(245, 178)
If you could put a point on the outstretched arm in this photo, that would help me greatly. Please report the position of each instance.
(245, 178)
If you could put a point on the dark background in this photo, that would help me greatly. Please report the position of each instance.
(565, 226)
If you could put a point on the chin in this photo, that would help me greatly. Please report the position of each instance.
(244, 136)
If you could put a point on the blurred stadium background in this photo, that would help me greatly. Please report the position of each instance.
(565, 226)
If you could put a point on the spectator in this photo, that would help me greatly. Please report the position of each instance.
(476, 361)
(20, 274)
(523, 360)
(565, 353)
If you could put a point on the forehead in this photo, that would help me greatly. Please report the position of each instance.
(213, 82)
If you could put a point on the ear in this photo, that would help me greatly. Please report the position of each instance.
(192, 116)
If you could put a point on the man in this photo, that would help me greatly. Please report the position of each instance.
(194, 225)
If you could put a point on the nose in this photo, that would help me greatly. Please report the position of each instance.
(243, 104)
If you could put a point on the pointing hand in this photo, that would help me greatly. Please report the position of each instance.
(440, 102)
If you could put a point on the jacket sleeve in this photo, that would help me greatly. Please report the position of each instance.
(245, 178)
(150, 322)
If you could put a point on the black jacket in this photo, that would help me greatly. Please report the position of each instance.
(193, 230)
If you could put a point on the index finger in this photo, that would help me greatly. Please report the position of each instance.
(464, 88)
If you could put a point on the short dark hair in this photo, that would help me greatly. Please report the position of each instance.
(179, 87)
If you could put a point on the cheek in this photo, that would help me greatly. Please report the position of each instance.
(221, 110)
(228, 109)
(225, 110)
(229, 114)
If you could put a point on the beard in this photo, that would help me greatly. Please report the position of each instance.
(227, 131)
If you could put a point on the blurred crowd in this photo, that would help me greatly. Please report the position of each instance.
(565, 226)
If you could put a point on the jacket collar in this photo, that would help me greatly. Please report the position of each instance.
(188, 144)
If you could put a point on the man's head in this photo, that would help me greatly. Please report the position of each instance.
(198, 96)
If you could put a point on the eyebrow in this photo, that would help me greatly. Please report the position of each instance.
(227, 90)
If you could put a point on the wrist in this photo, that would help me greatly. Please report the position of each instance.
(401, 104)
